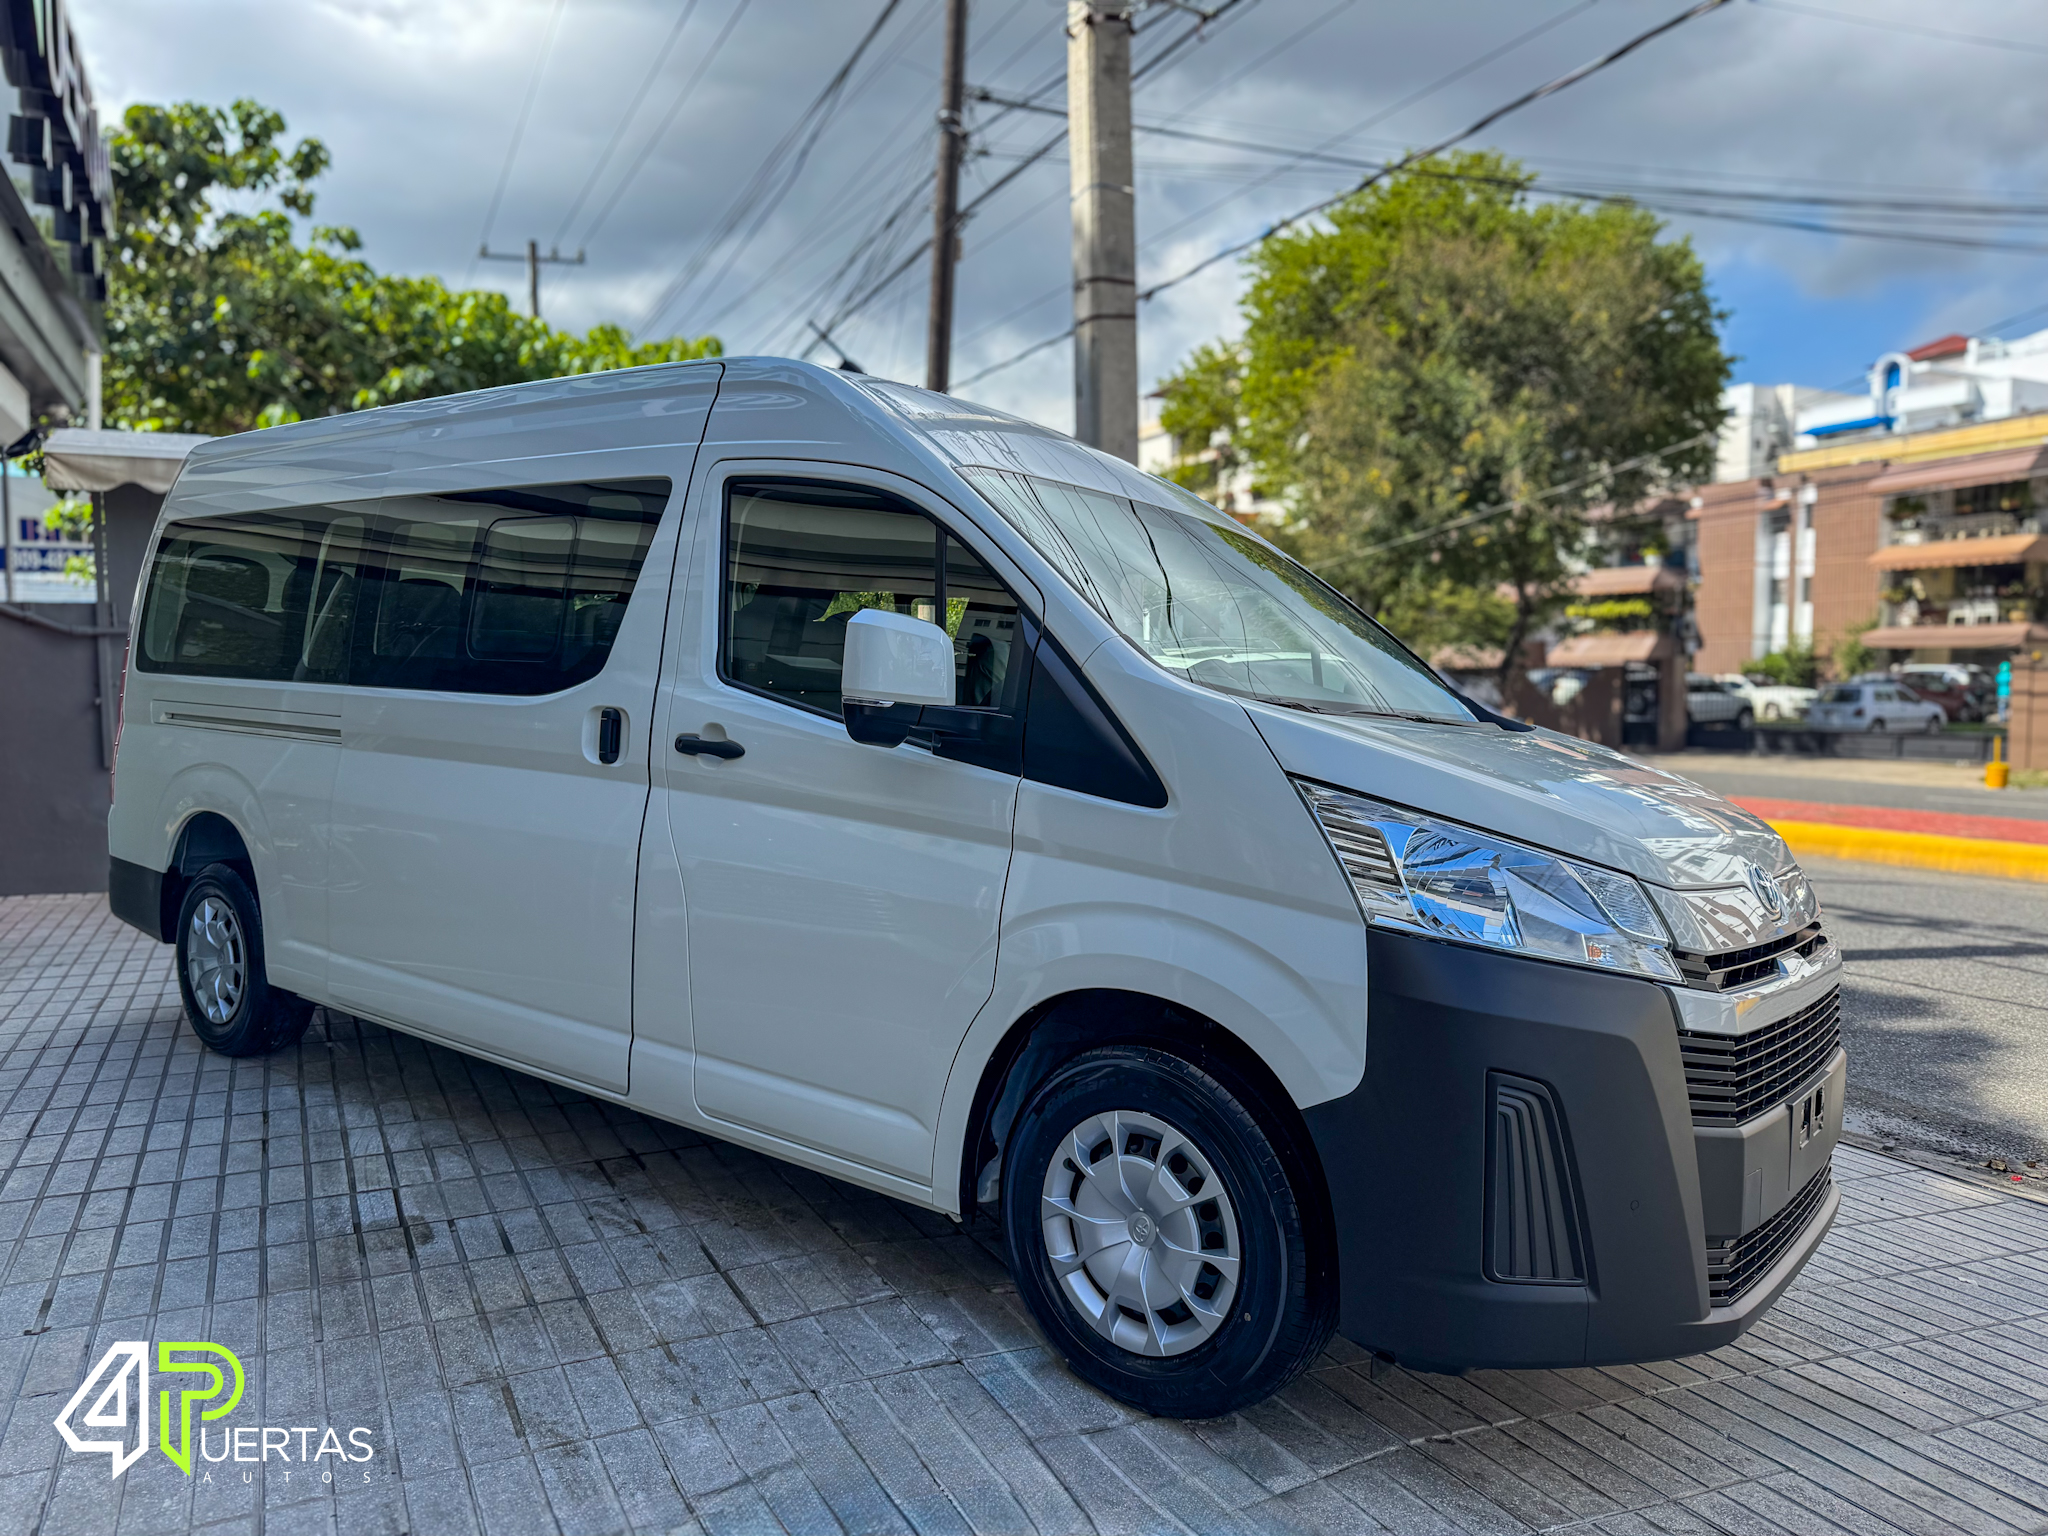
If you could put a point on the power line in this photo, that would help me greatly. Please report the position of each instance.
(1886, 25)
(1373, 120)
(762, 192)
(1485, 514)
(1029, 159)
(682, 97)
(547, 44)
(1527, 98)
(689, 9)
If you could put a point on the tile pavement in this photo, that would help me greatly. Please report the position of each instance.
(554, 1315)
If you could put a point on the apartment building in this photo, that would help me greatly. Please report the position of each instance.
(1917, 507)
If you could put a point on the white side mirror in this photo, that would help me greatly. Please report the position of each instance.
(892, 658)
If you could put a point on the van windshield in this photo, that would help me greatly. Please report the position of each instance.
(1208, 600)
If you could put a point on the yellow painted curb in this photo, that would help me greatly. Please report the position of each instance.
(1917, 850)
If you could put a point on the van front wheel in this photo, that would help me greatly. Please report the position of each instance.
(1158, 1239)
(228, 997)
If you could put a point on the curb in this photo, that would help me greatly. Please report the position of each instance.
(1917, 850)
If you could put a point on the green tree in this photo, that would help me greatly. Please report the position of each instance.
(1446, 345)
(218, 320)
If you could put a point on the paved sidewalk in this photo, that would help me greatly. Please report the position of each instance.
(553, 1314)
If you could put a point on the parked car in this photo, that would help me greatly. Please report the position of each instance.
(1710, 701)
(1771, 700)
(663, 734)
(1875, 706)
(1965, 693)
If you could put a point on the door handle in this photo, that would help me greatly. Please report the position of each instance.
(697, 746)
(611, 726)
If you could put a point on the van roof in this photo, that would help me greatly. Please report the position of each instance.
(773, 407)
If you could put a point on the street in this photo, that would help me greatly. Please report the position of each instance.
(1945, 1010)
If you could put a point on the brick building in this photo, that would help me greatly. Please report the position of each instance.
(1936, 537)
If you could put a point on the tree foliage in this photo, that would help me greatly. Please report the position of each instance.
(1446, 345)
(218, 320)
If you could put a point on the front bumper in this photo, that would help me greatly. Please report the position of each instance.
(1517, 1182)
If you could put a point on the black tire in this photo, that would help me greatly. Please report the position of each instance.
(229, 1001)
(1877, 725)
(1261, 1327)
(1745, 721)
(1935, 725)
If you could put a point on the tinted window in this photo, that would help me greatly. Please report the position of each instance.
(511, 592)
(802, 560)
(232, 596)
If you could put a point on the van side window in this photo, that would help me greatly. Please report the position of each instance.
(517, 591)
(803, 559)
(230, 596)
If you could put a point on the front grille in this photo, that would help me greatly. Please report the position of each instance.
(1730, 1078)
(1738, 1263)
(1734, 968)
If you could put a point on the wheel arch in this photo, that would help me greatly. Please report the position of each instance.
(1059, 1028)
(206, 837)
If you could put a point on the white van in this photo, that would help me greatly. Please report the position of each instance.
(907, 791)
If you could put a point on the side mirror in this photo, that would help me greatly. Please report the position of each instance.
(893, 667)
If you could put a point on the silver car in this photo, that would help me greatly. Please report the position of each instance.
(1875, 706)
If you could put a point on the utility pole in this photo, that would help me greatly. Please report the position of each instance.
(534, 262)
(938, 353)
(1105, 225)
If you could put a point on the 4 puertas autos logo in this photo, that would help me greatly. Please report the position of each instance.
(115, 1397)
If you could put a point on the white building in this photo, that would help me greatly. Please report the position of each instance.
(1947, 383)
(1762, 423)
(1159, 451)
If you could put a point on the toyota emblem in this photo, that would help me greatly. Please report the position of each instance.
(1767, 892)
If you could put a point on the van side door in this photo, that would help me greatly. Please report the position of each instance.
(493, 776)
(842, 900)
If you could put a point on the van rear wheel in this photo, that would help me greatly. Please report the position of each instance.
(228, 998)
(1158, 1238)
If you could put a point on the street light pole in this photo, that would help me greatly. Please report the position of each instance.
(1105, 225)
(938, 356)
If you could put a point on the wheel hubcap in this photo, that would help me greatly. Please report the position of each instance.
(216, 964)
(1142, 1237)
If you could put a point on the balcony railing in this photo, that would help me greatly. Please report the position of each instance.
(1930, 528)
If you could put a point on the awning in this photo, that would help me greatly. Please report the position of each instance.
(1956, 637)
(1628, 581)
(1970, 469)
(77, 460)
(1941, 554)
(1612, 650)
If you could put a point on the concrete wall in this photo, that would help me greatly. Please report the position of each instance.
(2026, 740)
(54, 787)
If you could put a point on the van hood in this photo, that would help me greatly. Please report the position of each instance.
(1568, 796)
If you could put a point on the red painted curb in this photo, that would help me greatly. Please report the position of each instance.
(1885, 818)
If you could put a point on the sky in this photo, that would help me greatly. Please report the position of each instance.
(635, 132)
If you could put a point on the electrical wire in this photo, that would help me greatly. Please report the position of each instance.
(1497, 509)
(1527, 98)
(683, 15)
(1885, 24)
(770, 183)
(682, 97)
(540, 64)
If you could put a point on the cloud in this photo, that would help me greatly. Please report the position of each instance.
(417, 99)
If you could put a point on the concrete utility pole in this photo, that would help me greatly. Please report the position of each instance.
(938, 354)
(1105, 225)
(534, 262)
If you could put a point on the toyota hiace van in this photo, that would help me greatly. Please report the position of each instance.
(907, 791)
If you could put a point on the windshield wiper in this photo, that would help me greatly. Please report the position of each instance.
(1361, 710)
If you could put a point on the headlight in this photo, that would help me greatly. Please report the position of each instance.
(1449, 882)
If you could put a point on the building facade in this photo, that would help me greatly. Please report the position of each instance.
(1932, 538)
